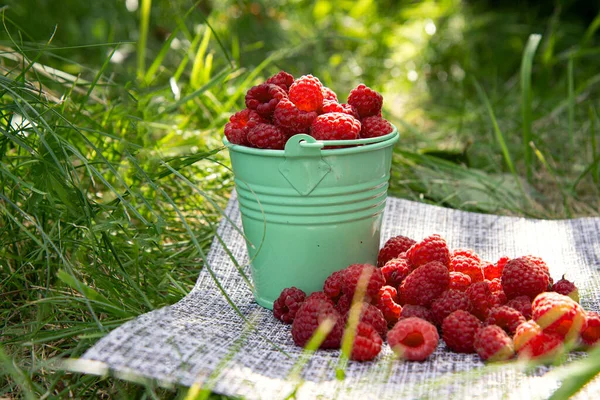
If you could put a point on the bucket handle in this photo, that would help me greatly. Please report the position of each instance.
(320, 144)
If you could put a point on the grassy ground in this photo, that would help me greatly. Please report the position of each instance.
(113, 175)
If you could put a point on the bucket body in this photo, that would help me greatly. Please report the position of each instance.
(307, 212)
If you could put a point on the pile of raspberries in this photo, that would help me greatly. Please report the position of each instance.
(423, 291)
(282, 107)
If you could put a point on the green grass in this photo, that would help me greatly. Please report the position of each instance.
(112, 170)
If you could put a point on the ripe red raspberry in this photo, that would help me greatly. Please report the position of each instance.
(481, 298)
(306, 93)
(459, 281)
(333, 106)
(264, 98)
(335, 126)
(333, 285)
(432, 248)
(424, 284)
(387, 302)
(493, 344)
(531, 342)
(468, 253)
(539, 262)
(287, 304)
(506, 318)
(522, 304)
(236, 130)
(502, 262)
(395, 271)
(447, 303)
(371, 315)
(468, 266)
(459, 330)
(522, 277)
(292, 119)
(319, 296)
(559, 315)
(370, 278)
(591, 334)
(393, 248)
(375, 126)
(267, 136)
(367, 101)
(566, 288)
(343, 304)
(281, 79)
(491, 271)
(367, 343)
(411, 310)
(329, 94)
(311, 314)
(498, 291)
(413, 339)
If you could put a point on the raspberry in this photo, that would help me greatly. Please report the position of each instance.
(370, 277)
(292, 119)
(264, 98)
(591, 334)
(367, 343)
(411, 310)
(371, 315)
(343, 304)
(367, 101)
(567, 288)
(333, 285)
(306, 93)
(469, 253)
(395, 271)
(387, 302)
(447, 303)
(459, 330)
(481, 298)
(335, 126)
(497, 291)
(539, 262)
(236, 130)
(311, 314)
(424, 284)
(491, 271)
(393, 248)
(413, 339)
(468, 266)
(432, 248)
(281, 79)
(493, 344)
(502, 262)
(531, 342)
(287, 304)
(328, 94)
(522, 304)
(333, 106)
(459, 281)
(522, 277)
(267, 136)
(375, 126)
(559, 315)
(506, 318)
(319, 296)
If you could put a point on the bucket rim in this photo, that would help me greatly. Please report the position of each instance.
(384, 141)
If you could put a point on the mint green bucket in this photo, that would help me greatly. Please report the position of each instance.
(307, 212)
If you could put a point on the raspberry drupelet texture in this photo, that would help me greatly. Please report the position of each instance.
(393, 248)
(387, 302)
(459, 330)
(459, 281)
(236, 130)
(498, 291)
(375, 126)
(481, 298)
(312, 313)
(567, 288)
(591, 334)
(319, 296)
(493, 271)
(522, 304)
(287, 304)
(333, 285)
(447, 303)
(343, 304)
(506, 318)
(306, 93)
(264, 98)
(468, 253)
(371, 315)
(370, 278)
(425, 284)
(413, 339)
(367, 101)
(432, 248)
(395, 271)
(292, 119)
(523, 277)
(559, 315)
(281, 79)
(335, 126)
(333, 106)
(468, 266)
(329, 94)
(267, 136)
(367, 343)
(531, 341)
(493, 344)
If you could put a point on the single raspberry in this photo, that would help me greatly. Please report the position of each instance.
(413, 339)
(319, 296)
(370, 278)
(522, 277)
(491, 271)
(468, 253)
(424, 284)
(531, 342)
(287, 304)
(493, 344)
(367, 101)
(522, 304)
(506, 318)
(497, 291)
(395, 271)
(313, 312)
(343, 304)
(267, 136)
(330, 106)
(292, 119)
(371, 315)
(495, 284)
(393, 248)
(459, 281)
(567, 288)
(411, 310)
(264, 98)
(281, 79)
(335, 126)
(559, 315)
(367, 343)
(333, 285)
(375, 126)
(236, 130)
(539, 262)
(591, 334)
(468, 266)
(306, 93)
(447, 303)
(387, 302)
(481, 299)
(459, 330)
(502, 262)
(432, 248)
(328, 94)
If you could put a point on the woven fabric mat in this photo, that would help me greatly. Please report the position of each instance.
(202, 340)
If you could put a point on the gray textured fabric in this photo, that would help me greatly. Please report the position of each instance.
(202, 340)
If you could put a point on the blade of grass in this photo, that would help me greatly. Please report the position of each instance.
(145, 10)
(526, 99)
(571, 97)
(594, 120)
